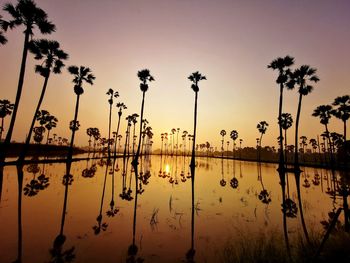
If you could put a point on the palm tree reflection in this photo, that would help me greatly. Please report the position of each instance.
(57, 252)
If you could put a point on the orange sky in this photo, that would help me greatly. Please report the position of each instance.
(231, 42)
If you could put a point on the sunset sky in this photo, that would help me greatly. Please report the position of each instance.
(231, 42)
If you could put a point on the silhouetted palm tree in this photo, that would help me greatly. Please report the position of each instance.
(301, 78)
(222, 133)
(6, 108)
(324, 113)
(49, 51)
(90, 133)
(121, 106)
(111, 94)
(343, 110)
(282, 65)
(286, 122)
(81, 74)
(145, 77)
(262, 127)
(25, 13)
(234, 136)
(134, 121)
(50, 124)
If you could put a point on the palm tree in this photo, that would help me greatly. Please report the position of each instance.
(300, 77)
(324, 112)
(51, 123)
(134, 121)
(195, 78)
(3, 39)
(6, 108)
(343, 110)
(90, 133)
(145, 77)
(286, 122)
(262, 127)
(81, 74)
(282, 65)
(234, 136)
(25, 13)
(121, 106)
(111, 94)
(49, 51)
(222, 133)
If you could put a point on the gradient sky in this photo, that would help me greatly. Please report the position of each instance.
(231, 42)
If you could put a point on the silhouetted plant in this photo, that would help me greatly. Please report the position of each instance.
(286, 121)
(6, 108)
(81, 74)
(52, 61)
(342, 110)
(145, 77)
(121, 106)
(222, 133)
(301, 78)
(233, 136)
(25, 13)
(283, 67)
(262, 127)
(111, 94)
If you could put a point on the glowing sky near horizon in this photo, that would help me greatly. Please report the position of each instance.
(231, 42)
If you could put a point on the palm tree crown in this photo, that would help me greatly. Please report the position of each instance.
(195, 78)
(282, 65)
(262, 127)
(144, 76)
(52, 54)
(301, 76)
(6, 108)
(81, 74)
(324, 112)
(234, 135)
(28, 14)
(343, 110)
(286, 121)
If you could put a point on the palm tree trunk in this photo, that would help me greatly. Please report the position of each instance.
(5, 145)
(26, 145)
(48, 136)
(296, 159)
(70, 150)
(1, 129)
(135, 161)
(116, 136)
(20, 187)
(285, 147)
(109, 131)
(64, 209)
(281, 162)
(297, 182)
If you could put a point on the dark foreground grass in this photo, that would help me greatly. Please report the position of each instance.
(271, 248)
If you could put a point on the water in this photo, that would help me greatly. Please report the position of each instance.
(37, 228)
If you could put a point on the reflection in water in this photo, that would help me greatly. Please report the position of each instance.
(155, 210)
(58, 254)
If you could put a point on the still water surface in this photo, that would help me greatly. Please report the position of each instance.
(46, 220)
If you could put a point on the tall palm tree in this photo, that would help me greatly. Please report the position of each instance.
(195, 78)
(262, 127)
(301, 77)
(283, 67)
(25, 13)
(111, 94)
(343, 110)
(324, 112)
(90, 133)
(121, 106)
(234, 136)
(145, 77)
(52, 61)
(222, 133)
(286, 122)
(81, 74)
(6, 108)
(134, 121)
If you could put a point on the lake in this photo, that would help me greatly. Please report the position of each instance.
(74, 219)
